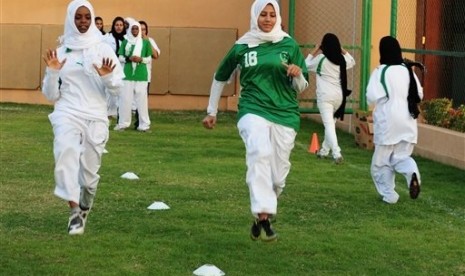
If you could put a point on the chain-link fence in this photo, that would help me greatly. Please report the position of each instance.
(312, 19)
(433, 33)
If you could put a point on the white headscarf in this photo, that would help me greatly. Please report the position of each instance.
(72, 38)
(255, 36)
(129, 20)
(135, 41)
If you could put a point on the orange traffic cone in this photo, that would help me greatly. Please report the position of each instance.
(314, 144)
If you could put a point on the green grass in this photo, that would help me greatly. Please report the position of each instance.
(330, 221)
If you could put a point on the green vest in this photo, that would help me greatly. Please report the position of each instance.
(140, 73)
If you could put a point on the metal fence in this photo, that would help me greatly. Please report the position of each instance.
(430, 31)
(310, 20)
(433, 32)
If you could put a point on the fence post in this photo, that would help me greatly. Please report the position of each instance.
(393, 18)
(291, 22)
(366, 50)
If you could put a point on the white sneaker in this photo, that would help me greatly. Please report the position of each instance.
(118, 128)
(76, 224)
(84, 214)
(321, 155)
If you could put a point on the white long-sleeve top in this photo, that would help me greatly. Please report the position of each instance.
(110, 40)
(149, 64)
(82, 91)
(392, 120)
(328, 82)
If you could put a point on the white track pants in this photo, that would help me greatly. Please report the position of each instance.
(78, 148)
(327, 109)
(112, 102)
(134, 91)
(268, 148)
(387, 160)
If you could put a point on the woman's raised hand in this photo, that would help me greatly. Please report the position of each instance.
(106, 68)
(52, 61)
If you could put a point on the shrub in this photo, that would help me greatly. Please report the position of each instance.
(458, 119)
(439, 112)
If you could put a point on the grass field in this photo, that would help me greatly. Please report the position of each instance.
(330, 221)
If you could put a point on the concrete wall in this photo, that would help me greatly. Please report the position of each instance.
(193, 37)
(181, 76)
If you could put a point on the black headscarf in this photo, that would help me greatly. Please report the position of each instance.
(119, 37)
(331, 48)
(391, 54)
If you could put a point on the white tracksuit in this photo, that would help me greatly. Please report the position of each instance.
(79, 120)
(329, 97)
(112, 98)
(395, 131)
(268, 147)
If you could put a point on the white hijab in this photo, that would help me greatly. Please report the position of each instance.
(255, 36)
(72, 38)
(135, 41)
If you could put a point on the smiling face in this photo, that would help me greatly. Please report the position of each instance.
(267, 19)
(82, 19)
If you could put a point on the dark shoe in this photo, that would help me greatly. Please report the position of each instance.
(266, 233)
(319, 155)
(339, 160)
(136, 122)
(255, 230)
(414, 188)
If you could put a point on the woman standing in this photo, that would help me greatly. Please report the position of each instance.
(272, 73)
(395, 91)
(78, 75)
(331, 89)
(155, 54)
(114, 38)
(135, 53)
(99, 24)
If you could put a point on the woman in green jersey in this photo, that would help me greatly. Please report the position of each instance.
(272, 73)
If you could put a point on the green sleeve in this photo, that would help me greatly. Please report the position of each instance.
(227, 65)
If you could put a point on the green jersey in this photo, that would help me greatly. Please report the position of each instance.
(141, 73)
(266, 89)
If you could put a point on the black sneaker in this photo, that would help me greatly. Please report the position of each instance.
(339, 160)
(76, 224)
(255, 230)
(319, 155)
(266, 233)
(414, 187)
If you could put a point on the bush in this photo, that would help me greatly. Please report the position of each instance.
(458, 119)
(439, 112)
